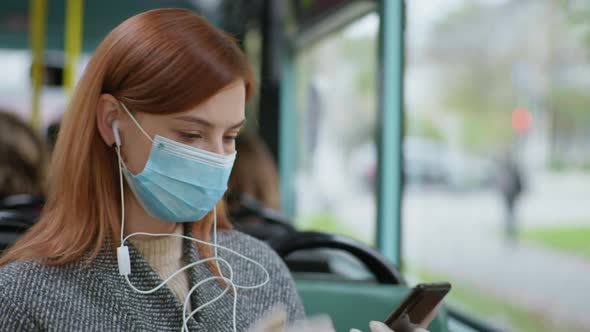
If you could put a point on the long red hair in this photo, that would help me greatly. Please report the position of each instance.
(161, 61)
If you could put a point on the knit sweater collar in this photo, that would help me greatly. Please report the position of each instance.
(162, 251)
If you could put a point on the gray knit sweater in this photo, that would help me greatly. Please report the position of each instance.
(35, 297)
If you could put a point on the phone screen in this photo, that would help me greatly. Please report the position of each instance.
(419, 303)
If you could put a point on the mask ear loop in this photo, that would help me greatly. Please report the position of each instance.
(136, 123)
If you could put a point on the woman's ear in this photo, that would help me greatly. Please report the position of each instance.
(108, 110)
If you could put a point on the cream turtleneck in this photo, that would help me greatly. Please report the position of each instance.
(165, 256)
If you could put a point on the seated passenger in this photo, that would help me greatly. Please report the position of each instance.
(22, 172)
(146, 145)
(23, 158)
(134, 235)
(253, 191)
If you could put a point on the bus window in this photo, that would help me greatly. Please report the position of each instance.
(496, 159)
(336, 106)
(15, 85)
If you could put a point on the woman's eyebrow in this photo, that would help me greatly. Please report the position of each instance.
(238, 125)
(201, 121)
(195, 119)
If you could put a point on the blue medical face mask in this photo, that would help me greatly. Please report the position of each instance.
(179, 183)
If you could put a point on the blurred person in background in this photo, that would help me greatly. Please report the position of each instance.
(510, 186)
(253, 191)
(23, 158)
(51, 134)
(254, 173)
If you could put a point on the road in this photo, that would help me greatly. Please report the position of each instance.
(460, 235)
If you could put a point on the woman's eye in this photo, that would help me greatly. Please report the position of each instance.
(190, 136)
(230, 138)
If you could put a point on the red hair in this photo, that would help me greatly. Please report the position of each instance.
(161, 61)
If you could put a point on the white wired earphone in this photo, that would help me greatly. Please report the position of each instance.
(124, 260)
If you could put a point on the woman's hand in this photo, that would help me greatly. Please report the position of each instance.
(380, 327)
(275, 320)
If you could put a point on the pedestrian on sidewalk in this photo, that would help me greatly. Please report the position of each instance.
(510, 185)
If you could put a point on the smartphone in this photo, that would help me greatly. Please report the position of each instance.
(418, 304)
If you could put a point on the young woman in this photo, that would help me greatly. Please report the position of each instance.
(146, 145)
(128, 239)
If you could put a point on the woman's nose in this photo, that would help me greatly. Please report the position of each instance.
(216, 146)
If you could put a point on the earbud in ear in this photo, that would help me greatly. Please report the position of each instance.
(116, 132)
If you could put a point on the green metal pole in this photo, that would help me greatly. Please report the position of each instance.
(287, 125)
(391, 49)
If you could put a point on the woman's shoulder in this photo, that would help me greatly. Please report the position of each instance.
(20, 279)
(18, 270)
(281, 286)
(20, 275)
(33, 294)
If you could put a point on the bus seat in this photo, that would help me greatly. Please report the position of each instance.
(253, 218)
(296, 249)
(12, 225)
(353, 305)
(350, 303)
(17, 214)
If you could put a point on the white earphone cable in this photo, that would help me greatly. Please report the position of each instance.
(230, 283)
(119, 161)
(267, 275)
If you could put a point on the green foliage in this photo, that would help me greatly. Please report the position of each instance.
(363, 51)
(326, 222)
(484, 100)
(558, 165)
(574, 240)
(307, 3)
(572, 102)
(423, 126)
(480, 87)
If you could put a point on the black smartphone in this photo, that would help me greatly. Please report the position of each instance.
(417, 305)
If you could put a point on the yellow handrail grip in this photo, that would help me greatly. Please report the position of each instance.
(38, 19)
(73, 41)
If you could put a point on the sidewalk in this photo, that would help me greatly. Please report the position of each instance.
(556, 286)
(465, 243)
